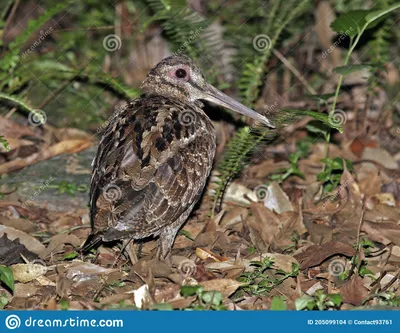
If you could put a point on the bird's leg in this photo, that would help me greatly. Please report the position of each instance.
(129, 247)
(165, 242)
(168, 234)
(140, 248)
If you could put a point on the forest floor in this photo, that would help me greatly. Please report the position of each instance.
(282, 245)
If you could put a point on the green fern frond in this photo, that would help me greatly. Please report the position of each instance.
(12, 57)
(247, 139)
(18, 101)
(34, 25)
(57, 71)
(281, 14)
(181, 25)
(5, 10)
(379, 46)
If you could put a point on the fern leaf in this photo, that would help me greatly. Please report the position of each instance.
(16, 100)
(247, 139)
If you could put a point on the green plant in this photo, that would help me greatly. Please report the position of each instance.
(355, 23)
(5, 143)
(205, 300)
(259, 282)
(71, 255)
(278, 303)
(23, 75)
(7, 277)
(303, 148)
(64, 304)
(332, 173)
(69, 188)
(319, 301)
(3, 300)
(385, 299)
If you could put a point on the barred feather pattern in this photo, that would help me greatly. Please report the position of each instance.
(157, 167)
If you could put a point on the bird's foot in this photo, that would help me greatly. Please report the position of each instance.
(129, 248)
(164, 256)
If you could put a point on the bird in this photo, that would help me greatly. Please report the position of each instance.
(155, 156)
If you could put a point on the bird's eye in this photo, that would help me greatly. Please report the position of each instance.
(180, 73)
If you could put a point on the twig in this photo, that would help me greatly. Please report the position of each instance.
(353, 266)
(107, 27)
(9, 114)
(49, 98)
(287, 63)
(10, 17)
(392, 281)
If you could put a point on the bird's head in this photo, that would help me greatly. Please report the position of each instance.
(179, 78)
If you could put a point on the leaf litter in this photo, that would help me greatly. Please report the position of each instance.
(255, 254)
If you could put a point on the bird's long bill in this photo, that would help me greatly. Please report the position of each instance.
(214, 95)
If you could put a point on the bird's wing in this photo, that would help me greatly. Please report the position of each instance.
(151, 165)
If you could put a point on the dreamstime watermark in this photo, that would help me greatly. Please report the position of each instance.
(42, 37)
(41, 188)
(187, 267)
(337, 118)
(341, 188)
(261, 192)
(337, 267)
(337, 43)
(13, 321)
(192, 36)
(109, 120)
(112, 193)
(270, 108)
(262, 43)
(112, 43)
(37, 118)
(187, 118)
(266, 111)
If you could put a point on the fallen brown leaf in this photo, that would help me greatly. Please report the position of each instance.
(31, 243)
(316, 254)
(225, 286)
(68, 147)
(353, 291)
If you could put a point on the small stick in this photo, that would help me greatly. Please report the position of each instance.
(10, 17)
(353, 266)
(296, 73)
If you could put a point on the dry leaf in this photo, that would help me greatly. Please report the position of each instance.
(380, 156)
(142, 296)
(353, 292)
(28, 272)
(316, 254)
(277, 200)
(57, 243)
(204, 254)
(31, 243)
(225, 286)
(67, 147)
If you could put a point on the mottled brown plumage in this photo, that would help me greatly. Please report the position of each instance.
(155, 156)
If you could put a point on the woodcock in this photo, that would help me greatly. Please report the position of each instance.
(155, 156)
